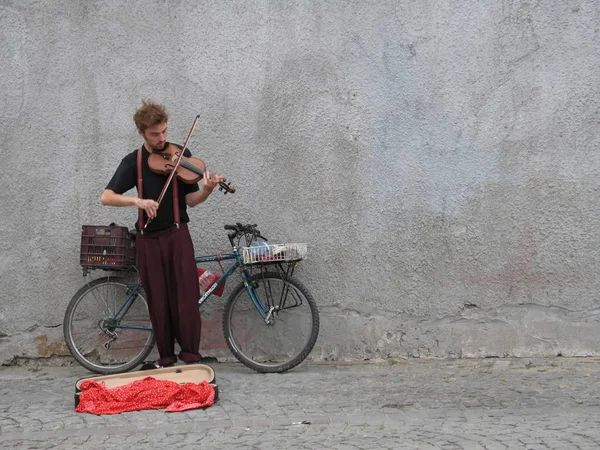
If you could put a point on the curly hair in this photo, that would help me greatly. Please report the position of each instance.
(149, 114)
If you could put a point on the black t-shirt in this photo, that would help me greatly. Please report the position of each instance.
(125, 178)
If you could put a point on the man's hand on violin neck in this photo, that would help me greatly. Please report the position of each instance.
(149, 206)
(210, 180)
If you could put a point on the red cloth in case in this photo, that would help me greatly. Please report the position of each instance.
(148, 393)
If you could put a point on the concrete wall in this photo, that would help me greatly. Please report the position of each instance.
(439, 157)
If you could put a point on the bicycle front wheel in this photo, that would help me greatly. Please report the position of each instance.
(293, 326)
(107, 326)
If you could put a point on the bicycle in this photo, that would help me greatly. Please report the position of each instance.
(270, 320)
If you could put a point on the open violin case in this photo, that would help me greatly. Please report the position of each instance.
(194, 373)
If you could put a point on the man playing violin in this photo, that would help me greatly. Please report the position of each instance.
(165, 252)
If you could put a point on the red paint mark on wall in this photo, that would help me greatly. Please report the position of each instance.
(520, 273)
(46, 349)
(212, 331)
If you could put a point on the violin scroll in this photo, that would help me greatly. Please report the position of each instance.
(226, 187)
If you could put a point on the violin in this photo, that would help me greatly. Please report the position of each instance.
(171, 164)
(190, 169)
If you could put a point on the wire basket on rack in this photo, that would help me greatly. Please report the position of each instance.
(274, 253)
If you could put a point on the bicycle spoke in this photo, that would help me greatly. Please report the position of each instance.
(101, 300)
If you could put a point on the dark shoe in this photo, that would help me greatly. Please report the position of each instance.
(149, 365)
(208, 360)
(204, 360)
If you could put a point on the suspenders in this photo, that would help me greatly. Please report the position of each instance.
(140, 187)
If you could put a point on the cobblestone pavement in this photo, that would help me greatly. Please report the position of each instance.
(412, 404)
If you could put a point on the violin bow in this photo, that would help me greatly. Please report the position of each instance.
(179, 159)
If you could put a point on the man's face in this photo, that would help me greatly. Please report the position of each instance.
(155, 137)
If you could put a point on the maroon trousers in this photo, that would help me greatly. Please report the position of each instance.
(167, 268)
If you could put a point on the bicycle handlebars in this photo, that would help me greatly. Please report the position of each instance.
(242, 228)
(249, 231)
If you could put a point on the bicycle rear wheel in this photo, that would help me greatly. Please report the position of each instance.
(282, 344)
(98, 339)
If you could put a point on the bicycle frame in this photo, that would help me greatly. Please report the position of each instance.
(135, 289)
(237, 264)
(235, 256)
